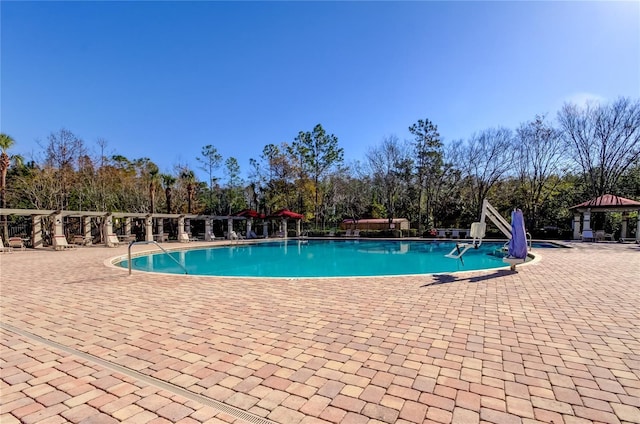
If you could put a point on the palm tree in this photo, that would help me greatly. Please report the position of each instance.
(189, 178)
(167, 182)
(5, 162)
(154, 175)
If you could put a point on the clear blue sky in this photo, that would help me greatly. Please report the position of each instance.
(163, 79)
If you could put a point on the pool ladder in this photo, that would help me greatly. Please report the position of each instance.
(161, 248)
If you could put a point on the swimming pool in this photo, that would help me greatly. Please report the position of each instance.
(321, 258)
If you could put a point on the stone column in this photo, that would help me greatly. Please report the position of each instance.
(86, 226)
(265, 229)
(36, 231)
(284, 227)
(229, 228)
(249, 222)
(576, 226)
(586, 221)
(623, 229)
(127, 226)
(183, 237)
(298, 232)
(107, 231)
(58, 229)
(148, 224)
(208, 230)
(160, 226)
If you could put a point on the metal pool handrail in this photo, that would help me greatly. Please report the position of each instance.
(162, 248)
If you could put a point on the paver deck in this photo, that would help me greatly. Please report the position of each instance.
(558, 342)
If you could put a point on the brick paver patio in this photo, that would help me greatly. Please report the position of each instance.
(557, 342)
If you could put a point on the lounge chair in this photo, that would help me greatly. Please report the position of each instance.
(79, 240)
(587, 235)
(4, 248)
(356, 233)
(347, 233)
(161, 238)
(442, 234)
(60, 243)
(16, 243)
(113, 240)
(602, 236)
(235, 236)
(455, 234)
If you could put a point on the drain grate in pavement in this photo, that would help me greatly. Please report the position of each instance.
(152, 381)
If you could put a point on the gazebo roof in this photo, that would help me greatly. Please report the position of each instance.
(286, 213)
(608, 202)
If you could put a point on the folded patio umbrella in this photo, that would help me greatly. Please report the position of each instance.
(518, 242)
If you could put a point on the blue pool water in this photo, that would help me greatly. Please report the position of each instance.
(322, 258)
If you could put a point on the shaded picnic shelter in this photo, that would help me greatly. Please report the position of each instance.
(605, 203)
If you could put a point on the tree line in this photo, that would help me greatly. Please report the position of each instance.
(543, 166)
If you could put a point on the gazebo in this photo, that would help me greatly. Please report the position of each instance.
(250, 214)
(605, 203)
(284, 215)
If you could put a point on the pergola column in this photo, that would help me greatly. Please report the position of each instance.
(183, 237)
(36, 231)
(160, 226)
(108, 226)
(284, 227)
(58, 229)
(576, 226)
(265, 229)
(86, 230)
(298, 232)
(623, 228)
(229, 228)
(127, 226)
(148, 223)
(107, 230)
(249, 222)
(586, 221)
(208, 232)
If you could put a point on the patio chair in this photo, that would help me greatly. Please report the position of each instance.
(356, 233)
(455, 234)
(16, 243)
(60, 243)
(442, 234)
(347, 233)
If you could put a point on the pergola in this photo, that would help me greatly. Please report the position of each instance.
(153, 223)
(605, 203)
